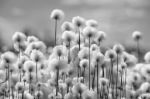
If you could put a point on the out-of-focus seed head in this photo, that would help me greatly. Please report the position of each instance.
(19, 37)
(67, 26)
(136, 35)
(78, 21)
(100, 36)
(84, 63)
(92, 23)
(118, 48)
(111, 54)
(68, 36)
(147, 57)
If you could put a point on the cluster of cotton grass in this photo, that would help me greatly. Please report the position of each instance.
(74, 69)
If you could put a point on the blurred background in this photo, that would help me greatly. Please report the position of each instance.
(118, 18)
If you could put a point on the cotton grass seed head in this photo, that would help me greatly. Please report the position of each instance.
(60, 50)
(118, 48)
(89, 32)
(57, 14)
(19, 37)
(92, 23)
(8, 57)
(111, 54)
(31, 39)
(83, 53)
(19, 87)
(37, 56)
(78, 21)
(101, 35)
(68, 36)
(147, 57)
(57, 64)
(84, 63)
(136, 35)
(29, 66)
(67, 26)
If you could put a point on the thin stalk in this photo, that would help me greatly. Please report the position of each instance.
(83, 74)
(79, 39)
(57, 85)
(103, 72)
(55, 31)
(97, 80)
(69, 53)
(117, 76)
(36, 72)
(93, 81)
(138, 50)
(112, 85)
(89, 63)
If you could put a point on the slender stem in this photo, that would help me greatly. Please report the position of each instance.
(117, 76)
(93, 81)
(97, 80)
(36, 72)
(79, 39)
(69, 53)
(89, 64)
(138, 50)
(57, 85)
(103, 72)
(112, 75)
(83, 74)
(55, 31)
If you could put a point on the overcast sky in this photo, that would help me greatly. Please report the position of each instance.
(118, 18)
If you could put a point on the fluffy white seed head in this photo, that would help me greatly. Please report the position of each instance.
(57, 14)
(84, 53)
(67, 26)
(147, 57)
(89, 94)
(89, 32)
(103, 82)
(98, 57)
(37, 56)
(84, 63)
(56, 64)
(19, 87)
(78, 21)
(92, 23)
(29, 66)
(94, 47)
(68, 36)
(118, 48)
(60, 50)
(79, 88)
(31, 39)
(111, 54)
(100, 36)
(8, 57)
(136, 35)
(18, 37)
